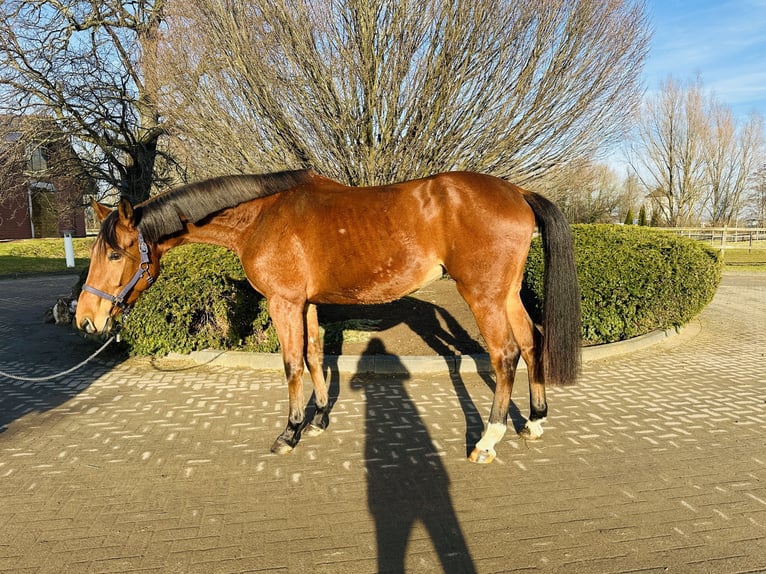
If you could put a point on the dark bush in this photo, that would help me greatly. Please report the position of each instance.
(201, 300)
(634, 279)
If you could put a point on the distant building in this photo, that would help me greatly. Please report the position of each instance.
(42, 182)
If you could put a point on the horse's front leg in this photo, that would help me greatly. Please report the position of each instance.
(288, 318)
(321, 416)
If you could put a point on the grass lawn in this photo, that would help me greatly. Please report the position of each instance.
(746, 257)
(32, 256)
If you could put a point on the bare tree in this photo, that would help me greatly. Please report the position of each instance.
(756, 202)
(669, 156)
(587, 192)
(371, 91)
(90, 66)
(632, 196)
(732, 152)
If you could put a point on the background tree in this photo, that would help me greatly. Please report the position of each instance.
(642, 216)
(694, 157)
(631, 195)
(586, 192)
(669, 157)
(370, 92)
(756, 204)
(90, 66)
(732, 152)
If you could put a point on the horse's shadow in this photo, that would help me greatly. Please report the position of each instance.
(437, 327)
(22, 398)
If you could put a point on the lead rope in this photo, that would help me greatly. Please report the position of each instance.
(62, 373)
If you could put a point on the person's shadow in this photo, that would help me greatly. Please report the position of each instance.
(406, 481)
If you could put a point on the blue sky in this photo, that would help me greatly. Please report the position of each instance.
(722, 41)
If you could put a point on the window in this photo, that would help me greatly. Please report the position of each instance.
(38, 160)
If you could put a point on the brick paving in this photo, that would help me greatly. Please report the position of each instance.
(654, 462)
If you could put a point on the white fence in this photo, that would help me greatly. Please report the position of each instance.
(725, 237)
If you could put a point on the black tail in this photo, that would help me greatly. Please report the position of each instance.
(560, 352)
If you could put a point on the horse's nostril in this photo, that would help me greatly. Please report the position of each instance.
(88, 326)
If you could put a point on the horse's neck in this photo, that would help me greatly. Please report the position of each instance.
(222, 229)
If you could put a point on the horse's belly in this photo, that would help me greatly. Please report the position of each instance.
(377, 284)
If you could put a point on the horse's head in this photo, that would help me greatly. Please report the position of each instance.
(122, 265)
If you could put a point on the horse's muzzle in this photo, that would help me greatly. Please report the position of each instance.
(88, 329)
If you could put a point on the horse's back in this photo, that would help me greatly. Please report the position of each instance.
(440, 201)
(365, 245)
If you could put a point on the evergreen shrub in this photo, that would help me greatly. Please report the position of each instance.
(200, 300)
(633, 280)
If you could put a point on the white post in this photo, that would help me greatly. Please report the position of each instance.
(69, 249)
(31, 215)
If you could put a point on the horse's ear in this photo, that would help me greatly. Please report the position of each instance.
(102, 211)
(125, 211)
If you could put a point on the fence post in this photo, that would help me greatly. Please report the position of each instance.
(69, 248)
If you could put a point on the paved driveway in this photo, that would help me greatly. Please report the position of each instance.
(654, 462)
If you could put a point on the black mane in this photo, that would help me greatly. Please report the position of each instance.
(166, 213)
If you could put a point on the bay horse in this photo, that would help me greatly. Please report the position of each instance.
(304, 240)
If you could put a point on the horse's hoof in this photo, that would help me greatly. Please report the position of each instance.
(532, 430)
(482, 456)
(313, 430)
(281, 447)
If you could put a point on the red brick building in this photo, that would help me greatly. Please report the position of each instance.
(42, 183)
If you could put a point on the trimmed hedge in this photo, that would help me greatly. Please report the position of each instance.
(200, 300)
(632, 279)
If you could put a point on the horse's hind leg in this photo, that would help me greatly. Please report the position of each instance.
(529, 340)
(492, 319)
(320, 419)
(289, 321)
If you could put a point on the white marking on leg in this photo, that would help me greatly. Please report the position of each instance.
(533, 429)
(492, 435)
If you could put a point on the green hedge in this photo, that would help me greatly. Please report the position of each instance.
(201, 300)
(633, 280)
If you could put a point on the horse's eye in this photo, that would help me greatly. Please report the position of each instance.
(115, 256)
